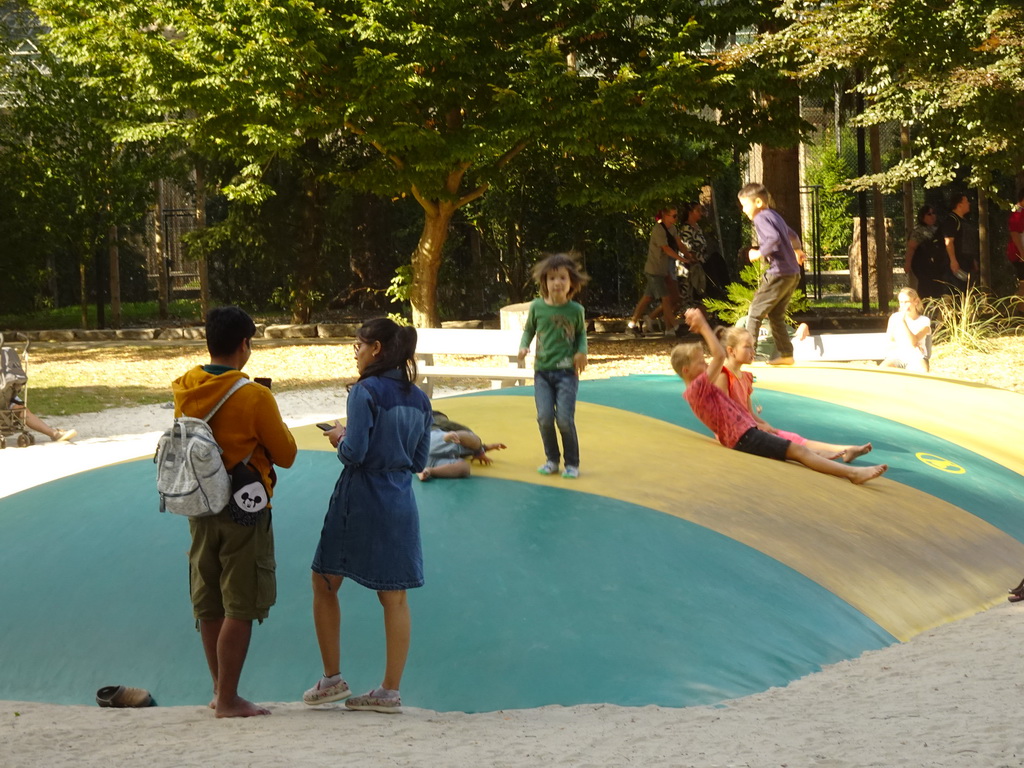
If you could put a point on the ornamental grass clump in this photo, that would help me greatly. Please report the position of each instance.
(969, 320)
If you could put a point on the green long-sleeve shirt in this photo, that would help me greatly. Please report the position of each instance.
(561, 332)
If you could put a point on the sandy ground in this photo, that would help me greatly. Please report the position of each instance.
(947, 698)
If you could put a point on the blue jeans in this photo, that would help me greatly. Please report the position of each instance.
(555, 395)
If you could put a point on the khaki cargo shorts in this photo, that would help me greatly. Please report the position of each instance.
(232, 571)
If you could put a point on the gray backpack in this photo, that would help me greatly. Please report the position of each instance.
(190, 474)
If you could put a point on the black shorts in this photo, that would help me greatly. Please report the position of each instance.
(761, 443)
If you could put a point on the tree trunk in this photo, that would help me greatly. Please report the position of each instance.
(163, 280)
(87, 246)
(426, 262)
(51, 278)
(367, 259)
(204, 271)
(984, 252)
(909, 219)
(83, 294)
(114, 254)
(780, 174)
(883, 263)
(309, 241)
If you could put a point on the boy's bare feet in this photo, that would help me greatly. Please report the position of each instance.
(240, 707)
(854, 451)
(862, 474)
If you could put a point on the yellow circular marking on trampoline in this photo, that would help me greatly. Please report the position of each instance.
(939, 463)
(823, 527)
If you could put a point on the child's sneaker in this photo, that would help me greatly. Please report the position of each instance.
(377, 700)
(63, 435)
(325, 692)
(548, 468)
(571, 473)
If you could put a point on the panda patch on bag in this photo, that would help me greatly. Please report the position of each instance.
(249, 496)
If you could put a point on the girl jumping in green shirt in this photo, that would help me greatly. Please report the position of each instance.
(561, 331)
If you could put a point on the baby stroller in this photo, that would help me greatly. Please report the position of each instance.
(12, 384)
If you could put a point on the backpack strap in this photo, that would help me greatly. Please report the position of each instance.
(234, 388)
(671, 240)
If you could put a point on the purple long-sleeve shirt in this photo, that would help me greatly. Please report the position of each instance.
(773, 237)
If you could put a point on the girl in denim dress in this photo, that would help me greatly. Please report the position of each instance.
(371, 533)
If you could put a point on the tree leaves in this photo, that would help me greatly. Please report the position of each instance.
(954, 71)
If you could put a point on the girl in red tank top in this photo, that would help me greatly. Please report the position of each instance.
(739, 385)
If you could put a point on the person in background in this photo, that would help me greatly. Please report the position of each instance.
(908, 332)
(960, 237)
(34, 422)
(660, 272)
(926, 257)
(1015, 247)
(694, 247)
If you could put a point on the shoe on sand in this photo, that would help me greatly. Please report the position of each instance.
(324, 692)
(781, 361)
(377, 701)
(122, 696)
(63, 435)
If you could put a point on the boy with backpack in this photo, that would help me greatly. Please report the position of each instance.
(232, 563)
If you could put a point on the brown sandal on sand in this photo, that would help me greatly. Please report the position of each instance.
(122, 696)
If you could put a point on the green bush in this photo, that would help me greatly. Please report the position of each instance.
(829, 169)
(739, 295)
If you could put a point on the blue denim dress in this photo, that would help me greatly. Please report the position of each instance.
(371, 533)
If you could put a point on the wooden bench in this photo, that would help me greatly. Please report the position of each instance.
(470, 342)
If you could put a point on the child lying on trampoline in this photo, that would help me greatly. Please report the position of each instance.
(735, 426)
(451, 444)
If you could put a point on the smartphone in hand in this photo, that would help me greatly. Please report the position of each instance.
(325, 427)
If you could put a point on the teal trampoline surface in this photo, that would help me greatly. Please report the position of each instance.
(549, 597)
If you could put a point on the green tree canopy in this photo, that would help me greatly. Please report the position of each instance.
(953, 71)
(66, 180)
(441, 94)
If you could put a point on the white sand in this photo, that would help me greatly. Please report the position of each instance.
(947, 698)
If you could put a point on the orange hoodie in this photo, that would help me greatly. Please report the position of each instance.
(248, 421)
